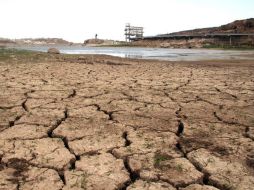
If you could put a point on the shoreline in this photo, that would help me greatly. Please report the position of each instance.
(145, 53)
(131, 45)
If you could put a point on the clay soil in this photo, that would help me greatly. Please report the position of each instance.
(100, 122)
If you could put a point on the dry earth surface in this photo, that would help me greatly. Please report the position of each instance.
(99, 122)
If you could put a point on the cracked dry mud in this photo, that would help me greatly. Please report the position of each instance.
(99, 122)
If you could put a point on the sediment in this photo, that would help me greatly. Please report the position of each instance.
(100, 122)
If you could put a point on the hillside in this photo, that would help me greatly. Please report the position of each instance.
(42, 41)
(34, 41)
(5, 41)
(223, 41)
(238, 26)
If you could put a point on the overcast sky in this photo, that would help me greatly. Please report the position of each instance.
(77, 20)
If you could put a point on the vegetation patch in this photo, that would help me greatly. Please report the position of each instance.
(159, 158)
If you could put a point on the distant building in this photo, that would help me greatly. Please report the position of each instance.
(133, 32)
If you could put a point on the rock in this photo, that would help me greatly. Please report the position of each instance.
(53, 51)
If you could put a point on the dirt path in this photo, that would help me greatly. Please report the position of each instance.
(109, 123)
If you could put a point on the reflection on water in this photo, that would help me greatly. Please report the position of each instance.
(133, 56)
(153, 53)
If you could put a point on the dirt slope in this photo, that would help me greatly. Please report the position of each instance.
(238, 26)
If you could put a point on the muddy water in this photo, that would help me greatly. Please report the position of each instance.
(154, 53)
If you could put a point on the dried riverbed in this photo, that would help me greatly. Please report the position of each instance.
(99, 122)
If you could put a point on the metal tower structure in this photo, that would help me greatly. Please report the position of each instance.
(133, 31)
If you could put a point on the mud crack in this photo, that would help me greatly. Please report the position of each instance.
(109, 113)
(73, 94)
(24, 105)
(185, 84)
(133, 175)
(232, 95)
(12, 123)
(180, 128)
(227, 122)
(58, 123)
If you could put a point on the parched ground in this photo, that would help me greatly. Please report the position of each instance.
(98, 122)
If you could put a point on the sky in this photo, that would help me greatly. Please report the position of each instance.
(78, 20)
